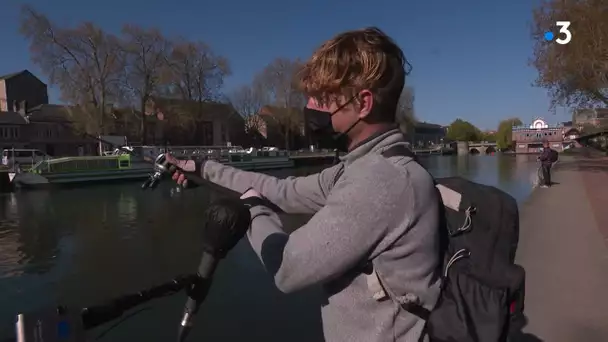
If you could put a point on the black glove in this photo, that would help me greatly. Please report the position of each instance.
(225, 222)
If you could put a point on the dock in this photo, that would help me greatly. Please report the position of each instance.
(323, 158)
(563, 246)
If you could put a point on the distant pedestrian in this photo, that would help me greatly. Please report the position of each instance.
(547, 158)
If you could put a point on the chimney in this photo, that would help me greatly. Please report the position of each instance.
(23, 107)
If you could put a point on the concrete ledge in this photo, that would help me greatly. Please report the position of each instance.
(566, 261)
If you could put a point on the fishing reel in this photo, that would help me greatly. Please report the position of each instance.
(161, 167)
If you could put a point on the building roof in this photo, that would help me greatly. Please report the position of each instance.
(572, 130)
(274, 110)
(19, 73)
(12, 118)
(427, 125)
(209, 110)
(48, 113)
(11, 75)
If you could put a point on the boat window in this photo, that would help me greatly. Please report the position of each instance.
(124, 163)
(38, 153)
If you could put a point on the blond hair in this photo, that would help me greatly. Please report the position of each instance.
(353, 61)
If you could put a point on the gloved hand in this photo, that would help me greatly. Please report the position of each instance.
(225, 222)
(178, 169)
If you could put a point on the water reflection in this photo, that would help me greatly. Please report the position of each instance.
(82, 246)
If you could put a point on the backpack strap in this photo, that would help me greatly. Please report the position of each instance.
(409, 302)
(399, 150)
(450, 198)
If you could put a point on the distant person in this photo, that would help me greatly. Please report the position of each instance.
(374, 238)
(547, 158)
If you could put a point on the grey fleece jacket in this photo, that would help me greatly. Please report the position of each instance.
(366, 209)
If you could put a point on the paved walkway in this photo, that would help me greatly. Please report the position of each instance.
(565, 254)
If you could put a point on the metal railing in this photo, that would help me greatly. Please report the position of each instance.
(77, 164)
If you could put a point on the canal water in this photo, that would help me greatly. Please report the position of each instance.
(79, 247)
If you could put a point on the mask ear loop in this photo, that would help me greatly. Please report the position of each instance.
(339, 135)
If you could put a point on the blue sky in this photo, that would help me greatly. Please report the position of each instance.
(470, 57)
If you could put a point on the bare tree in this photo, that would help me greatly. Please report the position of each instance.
(248, 100)
(195, 72)
(576, 73)
(193, 76)
(145, 56)
(85, 62)
(279, 81)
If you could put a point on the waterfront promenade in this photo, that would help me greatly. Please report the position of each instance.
(564, 248)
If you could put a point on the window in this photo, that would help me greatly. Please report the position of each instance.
(9, 132)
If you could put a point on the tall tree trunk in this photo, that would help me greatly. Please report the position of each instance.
(143, 129)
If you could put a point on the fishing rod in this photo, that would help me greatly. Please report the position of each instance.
(228, 221)
(225, 223)
(60, 324)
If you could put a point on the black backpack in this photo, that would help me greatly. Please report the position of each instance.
(482, 296)
(553, 156)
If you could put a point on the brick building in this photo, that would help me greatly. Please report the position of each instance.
(215, 124)
(530, 139)
(21, 89)
(27, 120)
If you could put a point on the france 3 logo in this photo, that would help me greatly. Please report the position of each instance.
(564, 35)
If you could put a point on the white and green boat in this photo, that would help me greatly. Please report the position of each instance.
(84, 169)
(124, 166)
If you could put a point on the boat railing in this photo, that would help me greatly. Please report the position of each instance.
(87, 163)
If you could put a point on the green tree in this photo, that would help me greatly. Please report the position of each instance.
(488, 136)
(576, 73)
(504, 134)
(461, 130)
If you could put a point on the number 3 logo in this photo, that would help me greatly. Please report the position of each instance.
(564, 25)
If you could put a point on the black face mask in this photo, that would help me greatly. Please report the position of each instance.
(319, 123)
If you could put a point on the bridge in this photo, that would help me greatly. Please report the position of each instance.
(465, 147)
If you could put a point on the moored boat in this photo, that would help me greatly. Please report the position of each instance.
(134, 164)
(84, 169)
